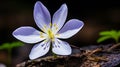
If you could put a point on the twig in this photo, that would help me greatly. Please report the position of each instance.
(113, 47)
(91, 52)
(74, 46)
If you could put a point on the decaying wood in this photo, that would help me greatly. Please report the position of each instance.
(90, 56)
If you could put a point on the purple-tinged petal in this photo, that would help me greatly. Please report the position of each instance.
(70, 28)
(42, 16)
(61, 47)
(28, 34)
(39, 50)
(59, 18)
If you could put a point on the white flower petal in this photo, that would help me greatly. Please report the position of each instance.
(39, 50)
(70, 28)
(28, 34)
(61, 47)
(42, 16)
(59, 18)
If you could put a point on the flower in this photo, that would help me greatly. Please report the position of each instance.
(51, 32)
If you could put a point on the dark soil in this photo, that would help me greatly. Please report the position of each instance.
(89, 56)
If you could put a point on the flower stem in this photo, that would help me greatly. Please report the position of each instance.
(117, 40)
(54, 55)
(9, 57)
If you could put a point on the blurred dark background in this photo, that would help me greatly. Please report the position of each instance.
(97, 16)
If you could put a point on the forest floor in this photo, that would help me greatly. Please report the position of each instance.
(88, 56)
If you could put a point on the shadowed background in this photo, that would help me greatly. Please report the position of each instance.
(97, 16)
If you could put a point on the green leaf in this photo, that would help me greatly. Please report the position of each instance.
(119, 33)
(103, 38)
(16, 44)
(112, 32)
(4, 46)
(103, 33)
(10, 45)
(109, 34)
(114, 35)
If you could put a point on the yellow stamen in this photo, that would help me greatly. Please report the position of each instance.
(50, 34)
(55, 25)
(41, 35)
(50, 24)
(44, 27)
(49, 31)
(57, 34)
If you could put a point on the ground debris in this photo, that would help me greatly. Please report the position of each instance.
(89, 56)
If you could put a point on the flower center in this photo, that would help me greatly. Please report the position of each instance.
(50, 31)
(50, 34)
